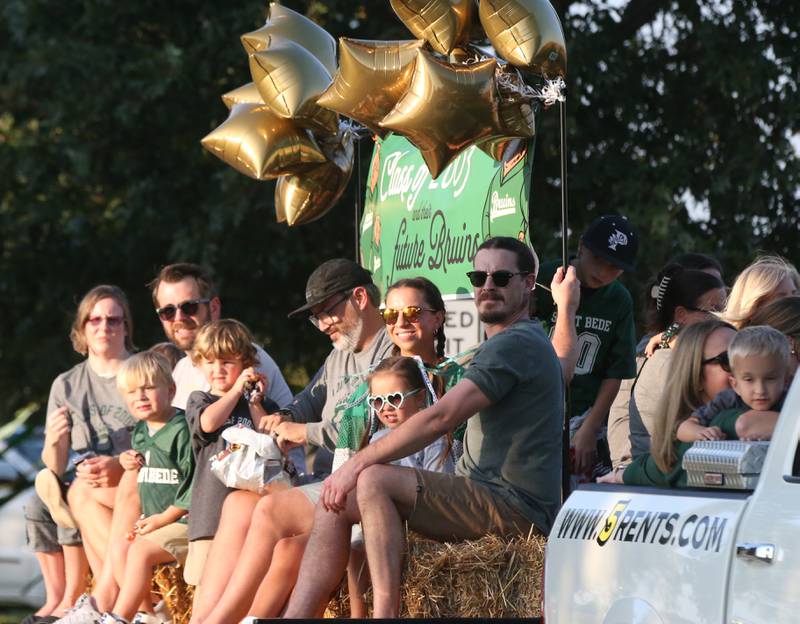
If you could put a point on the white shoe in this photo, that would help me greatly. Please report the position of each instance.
(163, 612)
(84, 612)
(143, 617)
(110, 618)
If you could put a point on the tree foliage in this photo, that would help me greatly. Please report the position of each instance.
(680, 114)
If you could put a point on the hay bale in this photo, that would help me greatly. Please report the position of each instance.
(488, 577)
(169, 584)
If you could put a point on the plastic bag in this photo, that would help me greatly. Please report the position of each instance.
(251, 462)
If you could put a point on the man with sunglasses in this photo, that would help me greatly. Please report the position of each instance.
(606, 339)
(185, 300)
(507, 481)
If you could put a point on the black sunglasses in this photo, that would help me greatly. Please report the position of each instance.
(500, 278)
(721, 359)
(188, 308)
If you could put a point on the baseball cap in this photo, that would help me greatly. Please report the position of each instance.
(614, 238)
(331, 277)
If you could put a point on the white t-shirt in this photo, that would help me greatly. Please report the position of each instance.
(189, 378)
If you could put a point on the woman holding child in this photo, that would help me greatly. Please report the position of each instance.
(86, 415)
(266, 563)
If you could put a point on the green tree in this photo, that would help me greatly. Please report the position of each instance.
(103, 104)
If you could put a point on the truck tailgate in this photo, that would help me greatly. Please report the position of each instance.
(647, 555)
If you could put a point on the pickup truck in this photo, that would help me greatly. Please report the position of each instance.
(638, 555)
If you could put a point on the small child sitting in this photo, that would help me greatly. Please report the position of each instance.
(162, 456)
(225, 352)
(397, 391)
(758, 360)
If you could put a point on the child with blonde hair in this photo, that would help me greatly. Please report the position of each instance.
(162, 456)
(758, 359)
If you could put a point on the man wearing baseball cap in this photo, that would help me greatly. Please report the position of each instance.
(605, 332)
(341, 302)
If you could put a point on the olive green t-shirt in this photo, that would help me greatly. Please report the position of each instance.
(606, 336)
(513, 446)
(166, 477)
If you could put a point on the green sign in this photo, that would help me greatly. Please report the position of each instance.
(414, 225)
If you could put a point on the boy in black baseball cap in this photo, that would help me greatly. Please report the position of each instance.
(605, 333)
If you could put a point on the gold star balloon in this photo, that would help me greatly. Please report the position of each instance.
(246, 94)
(444, 24)
(287, 24)
(526, 33)
(372, 77)
(262, 145)
(304, 198)
(446, 109)
(290, 79)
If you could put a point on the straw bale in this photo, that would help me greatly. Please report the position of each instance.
(488, 577)
(169, 584)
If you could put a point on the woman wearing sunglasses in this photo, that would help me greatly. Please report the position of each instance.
(414, 315)
(696, 374)
(86, 415)
(677, 298)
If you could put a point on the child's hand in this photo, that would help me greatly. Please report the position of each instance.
(131, 460)
(653, 344)
(246, 375)
(711, 433)
(149, 524)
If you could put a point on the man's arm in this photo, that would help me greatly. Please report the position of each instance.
(566, 292)
(461, 402)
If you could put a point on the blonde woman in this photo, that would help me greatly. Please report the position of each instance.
(767, 279)
(698, 371)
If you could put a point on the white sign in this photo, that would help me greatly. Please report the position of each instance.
(462, 327)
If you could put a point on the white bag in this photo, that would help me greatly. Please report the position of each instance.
(252, 461)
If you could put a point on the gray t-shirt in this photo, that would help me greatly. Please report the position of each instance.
(100, 418)
(208, 492)
(513, 446)
(316, 405)
(429, 458)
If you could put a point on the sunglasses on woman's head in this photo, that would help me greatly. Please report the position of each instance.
(410, 313)
(188, 308)
(377, 402)
(721, 359)
(499, 278)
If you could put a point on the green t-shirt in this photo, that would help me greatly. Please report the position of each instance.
(606, 336)
(643, 470)
(166, 477)
(513, 447)
(355, 412)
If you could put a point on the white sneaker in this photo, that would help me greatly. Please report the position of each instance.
(143, 617)
(84, 612)
(110, 618)
(163, 612)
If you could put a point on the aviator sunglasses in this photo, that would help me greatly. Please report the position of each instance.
(500, 278)
(721, 359)
(377, 402)
(410, 313)
(188, 308)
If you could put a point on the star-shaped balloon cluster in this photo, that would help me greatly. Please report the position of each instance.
(443, 91)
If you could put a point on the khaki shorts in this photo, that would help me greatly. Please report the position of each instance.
(196, 560)
(451, 508)
(173, 538)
